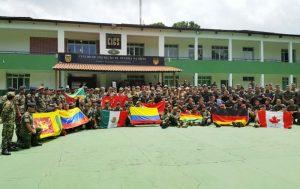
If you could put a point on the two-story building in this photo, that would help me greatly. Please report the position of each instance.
(60, 53)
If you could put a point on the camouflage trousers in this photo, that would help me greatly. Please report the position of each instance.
(29, 139)
(7, 135)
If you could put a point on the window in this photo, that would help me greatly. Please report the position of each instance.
(82, 47)
(285, 81)
(192, 52)
(17, 80)
(171, 51)
(168, 80)
(285, 55)
(248, 53)
(219, 53)
(204, 80)
(134, 49)
(248, 78)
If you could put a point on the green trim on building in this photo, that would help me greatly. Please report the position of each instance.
(251, 67)
(27, 61)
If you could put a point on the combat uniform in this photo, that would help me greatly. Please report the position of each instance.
(28, 138)
(8, 116)
(20, 101)
(40, 102)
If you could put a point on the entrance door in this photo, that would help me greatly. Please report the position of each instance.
(77, 82)
(224, 82)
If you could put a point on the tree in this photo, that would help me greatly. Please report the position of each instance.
(186, 25)
(158, 24)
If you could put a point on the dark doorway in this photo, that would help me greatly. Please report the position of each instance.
(77, 82)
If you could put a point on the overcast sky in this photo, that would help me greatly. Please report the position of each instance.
(262, 15)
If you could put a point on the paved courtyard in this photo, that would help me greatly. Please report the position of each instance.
(150, 157)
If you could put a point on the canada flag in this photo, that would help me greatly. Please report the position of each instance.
(279, 119)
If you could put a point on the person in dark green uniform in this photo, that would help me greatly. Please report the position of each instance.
(29, 134)
(8, 116)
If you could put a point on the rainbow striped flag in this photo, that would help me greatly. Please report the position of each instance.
(190, 118)
(143, 115)
(72, 118)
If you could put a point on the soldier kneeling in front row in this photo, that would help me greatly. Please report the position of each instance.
(29, 134)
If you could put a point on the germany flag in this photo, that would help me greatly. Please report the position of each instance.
(228, 116)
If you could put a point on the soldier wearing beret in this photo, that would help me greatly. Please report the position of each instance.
(8, 116)
(29, 134)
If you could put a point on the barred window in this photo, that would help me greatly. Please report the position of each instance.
(81, 47)
(135, 49)
(17, 80)
(219, 53)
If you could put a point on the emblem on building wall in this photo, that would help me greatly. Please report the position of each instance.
(155, 61)
(68, 58)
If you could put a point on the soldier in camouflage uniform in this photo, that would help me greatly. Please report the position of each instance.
(29, 134)
(8, 116)
(20, 101)
(165, 119)
(40, 102)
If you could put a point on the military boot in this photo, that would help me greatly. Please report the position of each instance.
(5, 152)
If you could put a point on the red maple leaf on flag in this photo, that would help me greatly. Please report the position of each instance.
(274, 120)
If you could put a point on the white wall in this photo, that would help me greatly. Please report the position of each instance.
(237, 48)
(183, 45)
(150, 44)
(207, 46)
(19, 40)
(273, 50)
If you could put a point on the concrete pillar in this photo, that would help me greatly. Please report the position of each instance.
(160, 78)
(230, 80)
(291, 79)
(196, 79)
(174, 79)
(262, 80)
(290, 52)
(230, 49)
(123, 44)
(62, 79)
(196, 48)
(60, 40)
(102, 43)
(161, 46)
(262, 56)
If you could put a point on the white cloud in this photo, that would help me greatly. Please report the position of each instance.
(268, 15)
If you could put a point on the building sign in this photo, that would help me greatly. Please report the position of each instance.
(111, 59)
(113, 41)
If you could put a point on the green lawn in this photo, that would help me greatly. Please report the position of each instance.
(150, 157)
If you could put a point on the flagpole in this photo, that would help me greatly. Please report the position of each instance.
(140, 7)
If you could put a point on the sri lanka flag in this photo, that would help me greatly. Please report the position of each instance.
(229, 116)
(80, 93)
(50, 123)
(113, 119)
(144, 115)
(279, 119)
(191, 118)
(72, 118)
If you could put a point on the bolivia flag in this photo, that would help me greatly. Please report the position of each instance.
(73, 97)
(143, 115)
(72, 118)
(230, 115)
(113, 119)
(191, 118)
(279, 119)
(49, 123)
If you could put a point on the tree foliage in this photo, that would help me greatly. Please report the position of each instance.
(158, 24)
(186, 25)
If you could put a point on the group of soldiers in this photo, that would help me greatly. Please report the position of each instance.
(18, 105)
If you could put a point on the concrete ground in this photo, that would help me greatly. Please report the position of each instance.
(150, 157)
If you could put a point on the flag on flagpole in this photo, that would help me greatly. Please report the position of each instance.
(113, 119)
(278, 119)
(80, 93)
(160, 106)
(50, 123)
(144, 115)
(72, 118)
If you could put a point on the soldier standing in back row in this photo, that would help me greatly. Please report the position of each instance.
(40, 101)
(20, 100)
(8, 116)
